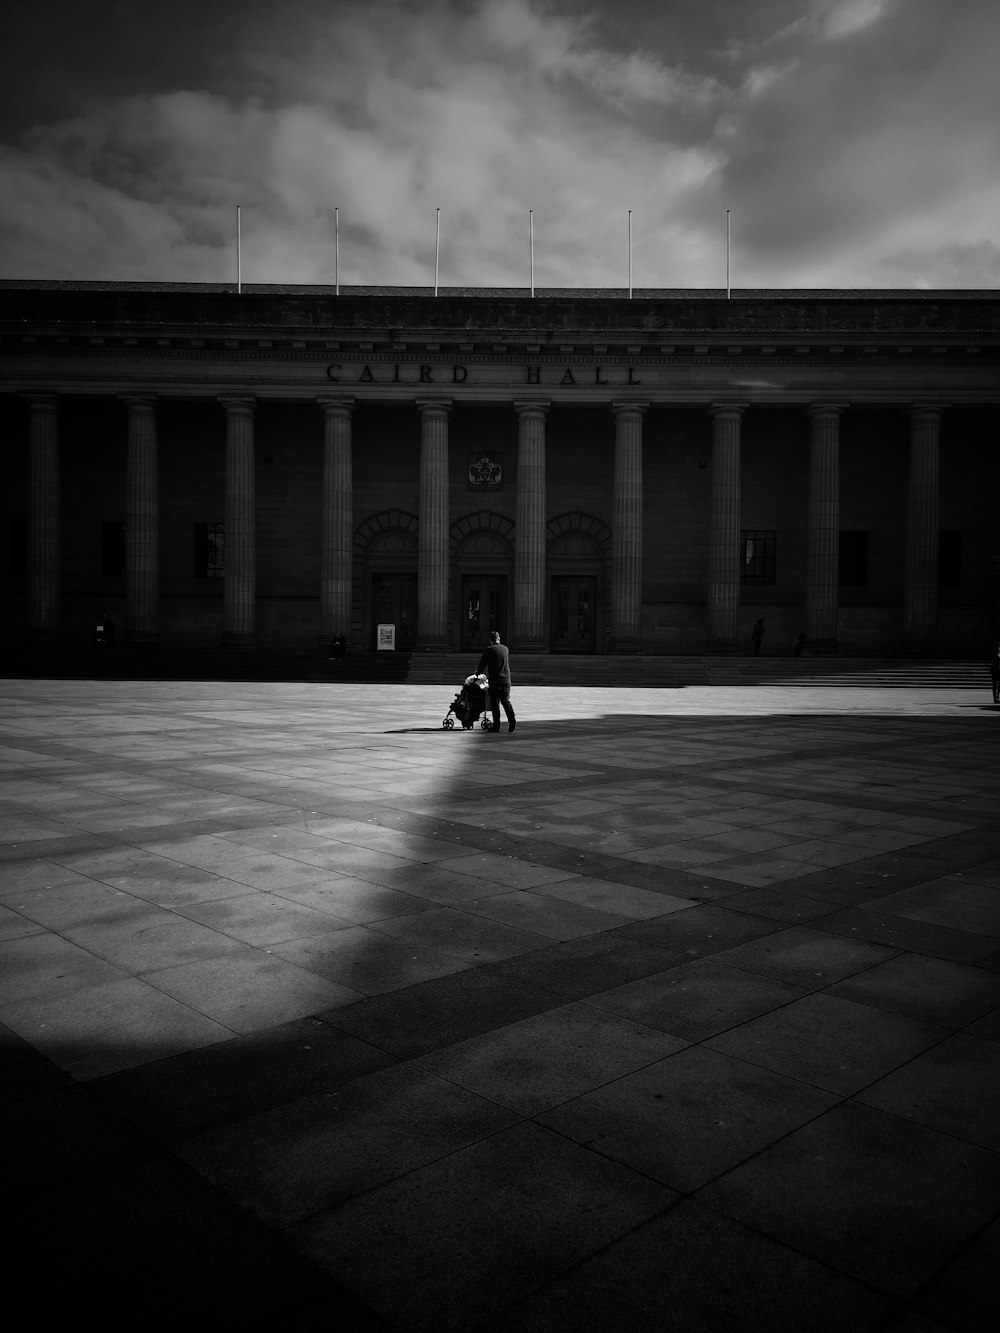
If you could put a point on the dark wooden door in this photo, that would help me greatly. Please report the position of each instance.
(394, 602)
(484, 608)
(574, 627)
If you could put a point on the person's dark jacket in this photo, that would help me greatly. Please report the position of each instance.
(495, 661)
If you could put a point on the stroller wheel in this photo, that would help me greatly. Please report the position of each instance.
(486, 724)
(448, 722)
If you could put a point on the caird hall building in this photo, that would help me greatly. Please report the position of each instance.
(585, 471)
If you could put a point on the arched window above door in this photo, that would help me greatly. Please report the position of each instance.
(391, 546)
(483, 545)
(576, 538)
(486, 526)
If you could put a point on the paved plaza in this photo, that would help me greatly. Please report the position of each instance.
(677, 1009)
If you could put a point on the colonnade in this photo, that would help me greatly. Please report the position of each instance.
(528, 631)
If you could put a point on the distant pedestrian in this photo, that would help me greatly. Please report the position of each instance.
(757, 635)
(495, 662)
(995, 673)
(798, 645)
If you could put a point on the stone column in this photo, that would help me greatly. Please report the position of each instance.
(724, 553)
(240, 591)
(920, 594)
(142, 533)
(626, 539)
(529, 538)
(432, 548)
(824, 528)
(43, 516)
(337, 537)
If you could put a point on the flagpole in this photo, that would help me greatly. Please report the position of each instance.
(336, 249)
(531, 246)
(630, 254)
(729, 290)
(437, 250)
(239, 254)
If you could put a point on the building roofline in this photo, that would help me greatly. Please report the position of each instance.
(603, 294)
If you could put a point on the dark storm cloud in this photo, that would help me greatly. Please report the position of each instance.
(71, 56)
(853, 140)
(865, 151)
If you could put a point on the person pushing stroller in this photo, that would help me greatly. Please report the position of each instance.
(469, 705)
(495, 662)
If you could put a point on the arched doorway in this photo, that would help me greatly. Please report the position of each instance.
(577, 600)
(484, 563)
(390, 574)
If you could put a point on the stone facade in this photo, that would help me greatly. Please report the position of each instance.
(586, 472)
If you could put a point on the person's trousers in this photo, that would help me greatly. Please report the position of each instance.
(500, 694)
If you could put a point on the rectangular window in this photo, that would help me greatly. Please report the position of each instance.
(19, 548)
(950, 559)
(209, 550)
(113, 549)
(759, 547)
(852, 564)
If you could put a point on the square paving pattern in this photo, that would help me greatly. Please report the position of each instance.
(679, 1009)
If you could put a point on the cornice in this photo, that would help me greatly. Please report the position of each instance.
(299, 350)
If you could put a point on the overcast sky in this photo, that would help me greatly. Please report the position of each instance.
(856, 142)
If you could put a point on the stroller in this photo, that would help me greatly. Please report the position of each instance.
(469, 704)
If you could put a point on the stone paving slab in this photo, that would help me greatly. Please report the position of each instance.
(676, 1009)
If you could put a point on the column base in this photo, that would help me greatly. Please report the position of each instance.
(821, 648)
(236, 639)
(529, 646)
(433, 644)
(142, 641)
(623, 646)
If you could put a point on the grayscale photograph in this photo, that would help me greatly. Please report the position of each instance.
(500, 692)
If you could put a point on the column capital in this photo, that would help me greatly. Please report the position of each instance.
(622, 407)
(238, 403)
(336, 406)
(927, 409)
(40, 398)
(824, 409)
(523, 406)
(736, 408)
(139, 399)
(432, 406)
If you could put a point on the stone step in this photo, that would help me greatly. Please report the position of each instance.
(451, 669)
(666, 672)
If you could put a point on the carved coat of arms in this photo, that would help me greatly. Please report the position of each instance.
(485, 472)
